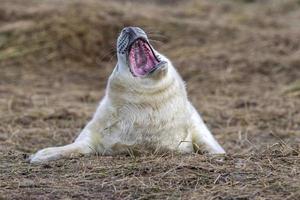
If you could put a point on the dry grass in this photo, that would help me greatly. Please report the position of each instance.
(240, 60)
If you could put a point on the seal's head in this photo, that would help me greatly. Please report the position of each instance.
(136, 56)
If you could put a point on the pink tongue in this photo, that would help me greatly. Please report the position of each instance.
(141, 58)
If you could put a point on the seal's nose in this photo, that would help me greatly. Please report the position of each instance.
(130, 31)
(133, 32)
(129, 35)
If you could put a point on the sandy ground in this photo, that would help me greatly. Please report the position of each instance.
(241, 63)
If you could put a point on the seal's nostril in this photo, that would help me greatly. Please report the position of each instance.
(127, 30)
(124, 30)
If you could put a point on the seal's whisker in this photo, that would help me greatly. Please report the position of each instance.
(156, 41)
(155, 33)
(112, 56)
(151, 30)
(157, 36)
(110, 52)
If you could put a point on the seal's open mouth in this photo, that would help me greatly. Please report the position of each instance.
(141, 57)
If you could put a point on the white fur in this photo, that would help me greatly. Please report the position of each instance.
(140, 114)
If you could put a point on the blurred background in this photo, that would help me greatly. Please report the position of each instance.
(241, 63)
(240, 60)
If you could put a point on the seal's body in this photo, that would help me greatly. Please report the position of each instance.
(145, 108)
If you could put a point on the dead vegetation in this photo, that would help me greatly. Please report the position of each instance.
(240, 60)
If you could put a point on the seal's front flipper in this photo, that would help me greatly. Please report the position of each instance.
(202, 138)
(54, 153)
